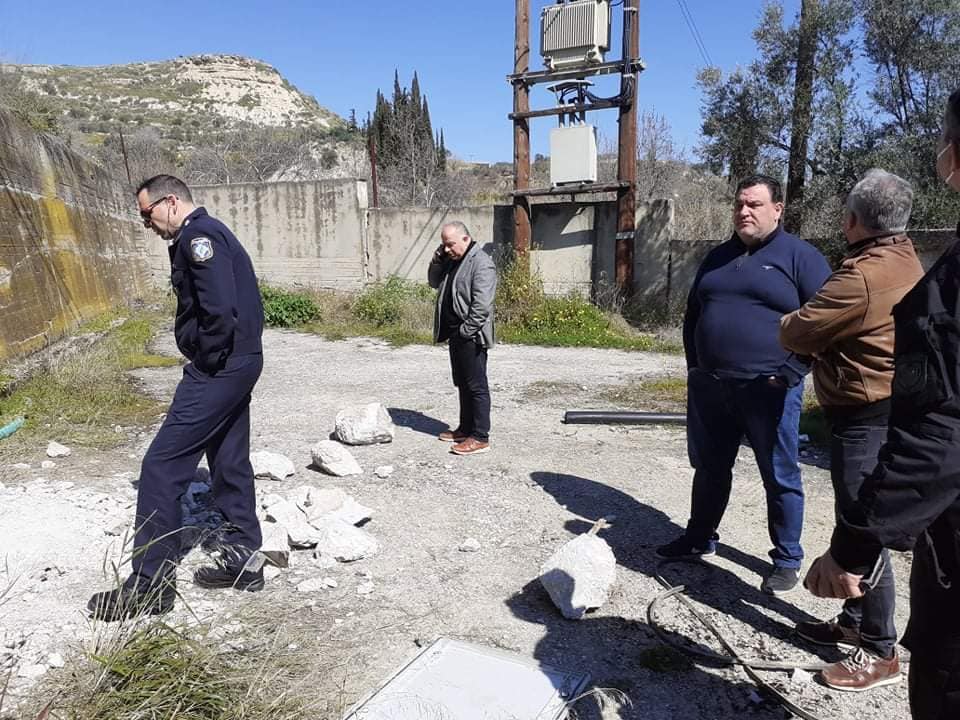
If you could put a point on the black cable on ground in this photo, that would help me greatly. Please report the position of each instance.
(734, 658)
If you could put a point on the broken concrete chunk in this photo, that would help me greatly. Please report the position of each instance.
(56, 450)
(312, 585)
(384, 471)
(271, 465)
(351, 512)
(469, 545)
(299, 532)
(364, 425)
(579, 575)
(335, 459)
(317, 502)
(344, 542)
(275, 547)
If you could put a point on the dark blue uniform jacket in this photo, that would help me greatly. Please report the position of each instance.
(219, 312)
(732, 324)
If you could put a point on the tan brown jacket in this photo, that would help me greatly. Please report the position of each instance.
(848, 325)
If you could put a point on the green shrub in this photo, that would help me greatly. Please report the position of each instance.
(284, 308)
(392, 301)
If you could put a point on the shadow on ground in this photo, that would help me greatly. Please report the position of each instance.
(417, 421)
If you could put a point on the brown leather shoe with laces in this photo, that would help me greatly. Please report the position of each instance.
(861, 671)
(470, 446)
(454, 436)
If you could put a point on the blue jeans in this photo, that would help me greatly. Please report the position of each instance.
(853, 455)
(720, 412)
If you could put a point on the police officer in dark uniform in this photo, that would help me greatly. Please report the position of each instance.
(912, 498)
(218, 328)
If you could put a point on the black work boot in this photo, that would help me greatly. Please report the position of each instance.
(218, 577)
(133, 599)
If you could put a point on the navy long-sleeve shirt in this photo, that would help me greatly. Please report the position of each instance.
(732, 323)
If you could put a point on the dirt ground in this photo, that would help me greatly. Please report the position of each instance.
(543, 483)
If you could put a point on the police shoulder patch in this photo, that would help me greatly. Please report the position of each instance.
(201, 249)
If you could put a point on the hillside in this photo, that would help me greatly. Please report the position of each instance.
(215, 118)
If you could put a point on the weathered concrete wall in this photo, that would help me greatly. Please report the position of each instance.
(400, 241)
(70, 243)
(297, 233)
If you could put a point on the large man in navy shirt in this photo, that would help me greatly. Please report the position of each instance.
(218, 327)
(741, 382)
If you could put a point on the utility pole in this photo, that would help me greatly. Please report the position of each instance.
(521, 134)
(627, 150)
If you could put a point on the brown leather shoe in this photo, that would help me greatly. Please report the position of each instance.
(455, 436)
(470, 446)
(829, 632)
(861, 671)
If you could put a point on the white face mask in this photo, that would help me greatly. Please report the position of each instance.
(940, 155)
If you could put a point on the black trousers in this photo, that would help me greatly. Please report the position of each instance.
(210, 414)
(934, 692)
(853, 456)
(468, 361)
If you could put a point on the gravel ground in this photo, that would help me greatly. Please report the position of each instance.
(542, 483)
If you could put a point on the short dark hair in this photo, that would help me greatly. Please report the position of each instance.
(774, 186)
(951, 118)
(162, 185)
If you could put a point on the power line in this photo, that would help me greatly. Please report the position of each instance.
(694, 32)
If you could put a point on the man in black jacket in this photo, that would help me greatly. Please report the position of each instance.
(912, 498)
(218, 326)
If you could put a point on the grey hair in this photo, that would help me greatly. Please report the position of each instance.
(458, 226)
(881, 201)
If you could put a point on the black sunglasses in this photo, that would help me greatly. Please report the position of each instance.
(147, 212)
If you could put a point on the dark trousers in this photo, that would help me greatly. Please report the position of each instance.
(468, 360)
(934, 692)
(210, 414)
(720, 412)
(853, 455)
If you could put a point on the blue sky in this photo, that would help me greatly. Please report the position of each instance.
(341, 52)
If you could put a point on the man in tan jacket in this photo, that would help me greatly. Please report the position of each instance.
(848, 328)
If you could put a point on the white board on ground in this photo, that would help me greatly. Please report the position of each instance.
(453, 680)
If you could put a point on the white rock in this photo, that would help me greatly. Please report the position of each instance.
(317, 502)
(21, 466)
(579, 575)
(800, 677)
(384, 471)
(48, 465)
(275, 547)
(299, 532)
(31, 672)
(345, 542)
(469, 545)
(364, 425)
(56, 450)
(271, 465)
(323, 561)
(55, 660)
(312, 585)
(330, 582)
(351, 512)
(365, 589)
(335, 459)
(270, 572)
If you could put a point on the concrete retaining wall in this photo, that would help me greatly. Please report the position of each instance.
(70, 243)
(297, 233)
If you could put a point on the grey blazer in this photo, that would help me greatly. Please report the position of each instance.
(474, 288)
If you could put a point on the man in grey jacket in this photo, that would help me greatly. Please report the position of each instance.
(467, 282)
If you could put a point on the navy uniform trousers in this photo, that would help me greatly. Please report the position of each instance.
(210, 414)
